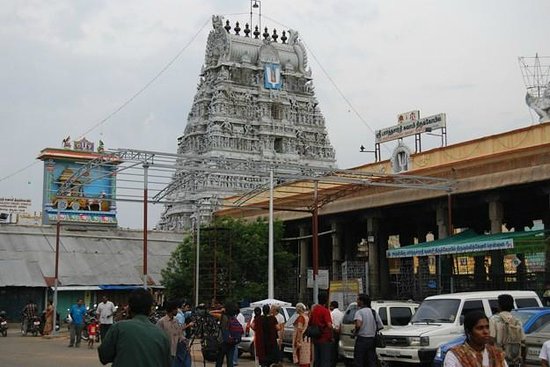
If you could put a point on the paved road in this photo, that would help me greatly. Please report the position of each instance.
(23, 351)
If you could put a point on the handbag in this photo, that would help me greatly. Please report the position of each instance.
(379, 341)
(312, 331)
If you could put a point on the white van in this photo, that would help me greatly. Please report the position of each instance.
(439, 320)
(392, 314)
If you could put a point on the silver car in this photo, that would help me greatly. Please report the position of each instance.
(533, 345)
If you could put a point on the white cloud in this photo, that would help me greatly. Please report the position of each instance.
(68, 64)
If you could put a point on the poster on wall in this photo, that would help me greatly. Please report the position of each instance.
(81, 198)
(272, 76)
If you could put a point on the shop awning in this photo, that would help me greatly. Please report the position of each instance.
(468, 242)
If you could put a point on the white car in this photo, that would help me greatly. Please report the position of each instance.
(438, 320)
(392, 313)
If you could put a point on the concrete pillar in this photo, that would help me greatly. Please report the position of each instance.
(441, 218)
(304, 257)
(444, 262)
(496, 215)
(336, 226)
(373, 241)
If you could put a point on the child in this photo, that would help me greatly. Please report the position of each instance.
(92, 331)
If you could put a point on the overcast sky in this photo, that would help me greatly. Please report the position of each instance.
(67, 65)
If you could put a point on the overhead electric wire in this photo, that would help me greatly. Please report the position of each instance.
(129, 100)
(18, 171)
(135, 95)
(327, 75)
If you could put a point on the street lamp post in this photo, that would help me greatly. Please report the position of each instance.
(315, 243)
(56, 282)
(145, 198)
(197, 261)
(270, 287)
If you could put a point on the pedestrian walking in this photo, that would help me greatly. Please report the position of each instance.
(136, 341)
(367, 323)
(77, 312)
(48, 323)
(476, 351)
(265, 338)
(242, 321)
(507, 333)
(301, 344)
(105, 311)
(337, 317)
(544, 354)
(322, 346)
(174, 331)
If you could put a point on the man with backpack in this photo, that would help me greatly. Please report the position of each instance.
(232, 332)
(507, 332)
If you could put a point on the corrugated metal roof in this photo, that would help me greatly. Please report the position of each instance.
(90, 257)
(21, 273)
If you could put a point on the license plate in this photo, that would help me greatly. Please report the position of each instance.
(533, 352)
(287, 349)
(37, 322)
(392, 353)
(4, 323)
(348, 355)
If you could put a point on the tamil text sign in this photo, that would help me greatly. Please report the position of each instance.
(14, 205)
(411, 128)
(453, 248)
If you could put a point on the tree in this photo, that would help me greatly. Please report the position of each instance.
(233, 261)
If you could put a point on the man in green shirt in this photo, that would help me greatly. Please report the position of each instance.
(136, 342)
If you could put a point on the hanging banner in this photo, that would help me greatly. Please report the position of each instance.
(452, 248)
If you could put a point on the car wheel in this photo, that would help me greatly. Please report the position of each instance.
(4, 333)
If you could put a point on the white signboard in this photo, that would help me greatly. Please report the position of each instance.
(322, 279)
(411, 128)
(14, 205)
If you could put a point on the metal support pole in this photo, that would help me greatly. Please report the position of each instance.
(56, 282)
(315, 243)
(145, 198)
(197, 264)
(270, 287)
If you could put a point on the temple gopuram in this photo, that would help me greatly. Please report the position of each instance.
(255, 104)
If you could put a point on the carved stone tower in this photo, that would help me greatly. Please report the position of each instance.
(255, 102)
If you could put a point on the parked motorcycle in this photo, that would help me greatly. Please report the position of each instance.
(3, 323)
(30, 326)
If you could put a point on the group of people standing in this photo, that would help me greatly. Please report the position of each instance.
(321, 351)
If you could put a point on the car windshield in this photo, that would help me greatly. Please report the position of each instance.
(350, 314)
(247, 313)
(291, 320)
(437, 310)
(523, 316)
(544, 328)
